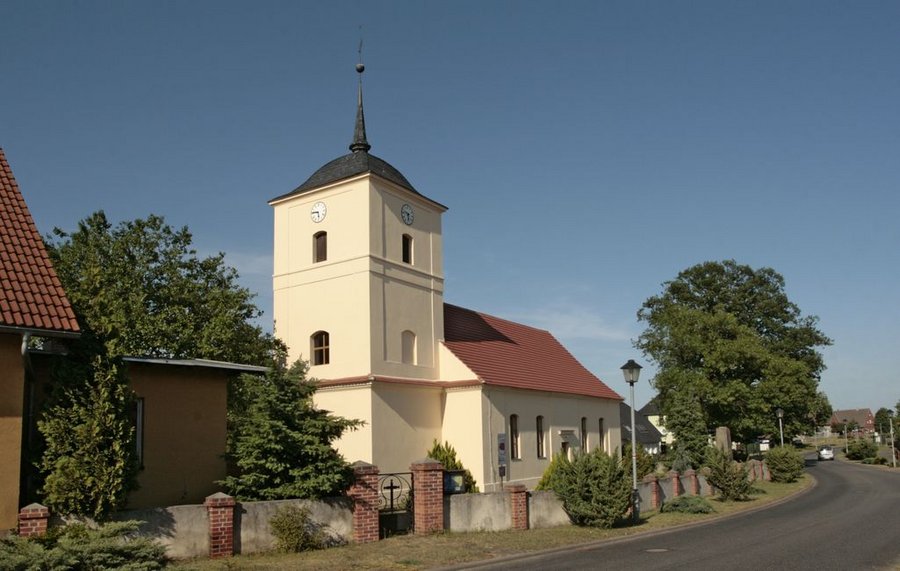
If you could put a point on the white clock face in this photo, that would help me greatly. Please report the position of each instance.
(406, 212)
(318, 212)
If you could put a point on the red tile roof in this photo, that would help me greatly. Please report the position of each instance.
(31, 295)
(509, 354)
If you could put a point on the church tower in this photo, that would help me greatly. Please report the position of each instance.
(358, 278)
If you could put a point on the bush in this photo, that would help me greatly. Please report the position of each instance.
(295, 531)
(446, 455)
(687, 505)
(878, 460)
(80, 547)
(646, 463)
(594, 488)
(861, 448)
(785, 464)
(728, 477)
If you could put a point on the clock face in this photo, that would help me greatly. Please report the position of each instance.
(406, 213)
(318, 212)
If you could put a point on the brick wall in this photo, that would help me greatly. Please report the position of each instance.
(33, 520)
(428, 496)
(220, 508)
(364, 494)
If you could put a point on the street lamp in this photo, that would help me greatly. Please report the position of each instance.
(780, 413)
(632, 371)
(846, 437)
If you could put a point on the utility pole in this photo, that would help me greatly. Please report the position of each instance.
(893, 450)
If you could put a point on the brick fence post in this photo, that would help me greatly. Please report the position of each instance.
(654, 490)
(364, 493)
(428, 495)
(691, 475)
(518, 498)
(33, 520)
(220, 508)
(675, 477)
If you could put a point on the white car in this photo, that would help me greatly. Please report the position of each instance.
(826, 453)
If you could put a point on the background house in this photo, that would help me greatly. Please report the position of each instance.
(861, 420)
(647, 434)
(32, 303)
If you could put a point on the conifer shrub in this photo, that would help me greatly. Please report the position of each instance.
(862, 448)
(687, 505)
(295, 531)
(785, 464)
(646, 463)
(877, 460)
(79, 547)
(446, 455)
(728, 477)
(595, 489)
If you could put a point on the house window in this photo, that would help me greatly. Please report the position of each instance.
(320, 348)
(602, 439)
(539, 431)
(320, 247)
(407, 249)
(514, 450)
(583, 434)
(408, 347)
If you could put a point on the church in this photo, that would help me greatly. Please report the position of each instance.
(359, 292)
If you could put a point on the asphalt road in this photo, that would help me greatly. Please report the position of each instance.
(850, 520)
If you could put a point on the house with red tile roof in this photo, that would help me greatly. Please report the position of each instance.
(32, 303)
(358, 289)
(861, 420)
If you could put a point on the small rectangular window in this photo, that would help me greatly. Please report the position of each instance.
(137, 421)
(407, 249)
(320, 247)
(600, 444)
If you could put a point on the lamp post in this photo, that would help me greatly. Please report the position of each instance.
(632, 371)
(846, 437)
(780, 413)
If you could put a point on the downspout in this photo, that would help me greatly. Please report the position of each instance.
(27, 420)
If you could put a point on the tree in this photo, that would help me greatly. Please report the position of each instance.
(883, 418)
(279, 442)
(137, 289)
(89, 460)
(142, 289)
(730, 345)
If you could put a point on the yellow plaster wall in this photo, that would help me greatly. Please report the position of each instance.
(12, 382)
(560, 412)
(184, 433)
(464, 426)
(354, 402)
(407, 421)
(452, 369)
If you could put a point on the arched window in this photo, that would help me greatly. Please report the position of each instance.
(320, 246)
(541, 443)
(408, 347)
(320, 348)
(514, 449)
(584, 434)
(407, 249)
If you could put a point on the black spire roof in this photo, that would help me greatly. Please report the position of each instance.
(359, 161)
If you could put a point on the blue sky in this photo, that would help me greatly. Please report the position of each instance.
(588, 151)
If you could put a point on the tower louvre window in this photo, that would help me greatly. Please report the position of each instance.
(321, 354)
(320, 246)
(407, 249)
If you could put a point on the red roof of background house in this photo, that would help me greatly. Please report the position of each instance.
(510, 354)
(31, 295)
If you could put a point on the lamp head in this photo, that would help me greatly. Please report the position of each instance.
(631, 371)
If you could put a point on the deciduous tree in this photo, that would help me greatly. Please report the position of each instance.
(731, 348)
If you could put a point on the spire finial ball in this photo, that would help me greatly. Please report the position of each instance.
(360, 68)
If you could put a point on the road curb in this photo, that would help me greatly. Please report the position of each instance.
(575, 547)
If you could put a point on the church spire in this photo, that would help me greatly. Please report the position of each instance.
(360, 144)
